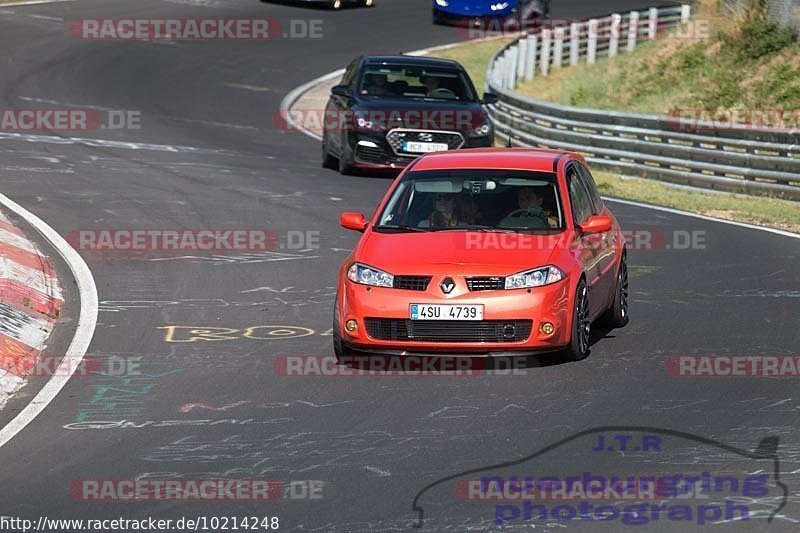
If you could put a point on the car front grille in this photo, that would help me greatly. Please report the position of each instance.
(391, 329)
(412, 283)
(379, 156)
(396, 137)
(493, 283)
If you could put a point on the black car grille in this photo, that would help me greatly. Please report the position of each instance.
(395, 138)
(412, 283)
(379, 156)
(391, 329)
(486, 284)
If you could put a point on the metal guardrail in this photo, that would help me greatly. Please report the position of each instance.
(749, 161)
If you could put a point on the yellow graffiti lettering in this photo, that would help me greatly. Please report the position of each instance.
(279, 332)
(193, 334)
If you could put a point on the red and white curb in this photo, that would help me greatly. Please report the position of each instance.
(30, 303)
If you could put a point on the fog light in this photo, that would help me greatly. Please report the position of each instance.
(547, 328)
(351, 325)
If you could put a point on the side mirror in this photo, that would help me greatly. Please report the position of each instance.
(597, 224)
(341, 90)
(489, 98)
(353, 221)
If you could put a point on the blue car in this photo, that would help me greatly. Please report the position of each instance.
(475, 12)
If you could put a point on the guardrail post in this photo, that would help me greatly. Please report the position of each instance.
(633, 30)
(613, 42)
(591, 50)
(501, 69)
(530, 64)
(512, 67)
(686, 13)
(523, 57)
(544, 59)
(574, 42)
(652, 23)
(558, 47)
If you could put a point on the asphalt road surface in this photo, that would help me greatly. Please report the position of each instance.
(208, 155)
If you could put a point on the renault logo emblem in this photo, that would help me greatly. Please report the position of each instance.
(447, 285)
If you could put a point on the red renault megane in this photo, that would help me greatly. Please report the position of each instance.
(483, 252)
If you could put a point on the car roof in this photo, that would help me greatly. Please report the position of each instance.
(539, 159)
(412, 60)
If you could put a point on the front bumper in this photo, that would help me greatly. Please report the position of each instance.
(511, 322)
(372, 150)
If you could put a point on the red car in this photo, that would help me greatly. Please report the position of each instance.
(483, 252)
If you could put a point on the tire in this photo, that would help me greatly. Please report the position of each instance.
(578, 347)
(617, 315)
(346, 164)
(340, 348)
(328, 161)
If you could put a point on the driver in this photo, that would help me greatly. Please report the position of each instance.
(530, 212)
(431, 83)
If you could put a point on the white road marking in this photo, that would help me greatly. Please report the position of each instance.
(87, 320)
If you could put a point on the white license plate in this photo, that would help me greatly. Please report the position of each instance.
(446, 312)
(423, 148)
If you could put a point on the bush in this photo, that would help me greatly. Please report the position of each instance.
(756, 36)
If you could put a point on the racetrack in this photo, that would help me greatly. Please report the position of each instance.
(208, 156)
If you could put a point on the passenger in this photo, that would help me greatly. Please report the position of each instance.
(376, 85)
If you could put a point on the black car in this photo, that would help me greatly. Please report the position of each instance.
(389, 110)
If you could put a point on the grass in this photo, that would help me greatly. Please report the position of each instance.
(717, 61)
(771, 212)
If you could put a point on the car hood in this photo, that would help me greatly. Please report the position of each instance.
(420, 114)
(457, 252)
(477, 8)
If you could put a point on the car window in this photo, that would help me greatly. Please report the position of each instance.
(483, 199)
(413, 82)
(349, 77)
(591, 187)
(578, 197)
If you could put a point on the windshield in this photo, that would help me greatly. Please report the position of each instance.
(474, 199)
(413, 82)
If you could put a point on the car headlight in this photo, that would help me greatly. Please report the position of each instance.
(481, 131)
(534, 278)
(442, 3)
(365, 275)
(363, 122)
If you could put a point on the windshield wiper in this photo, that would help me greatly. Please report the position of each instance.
(403, 227)
(478, 227)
